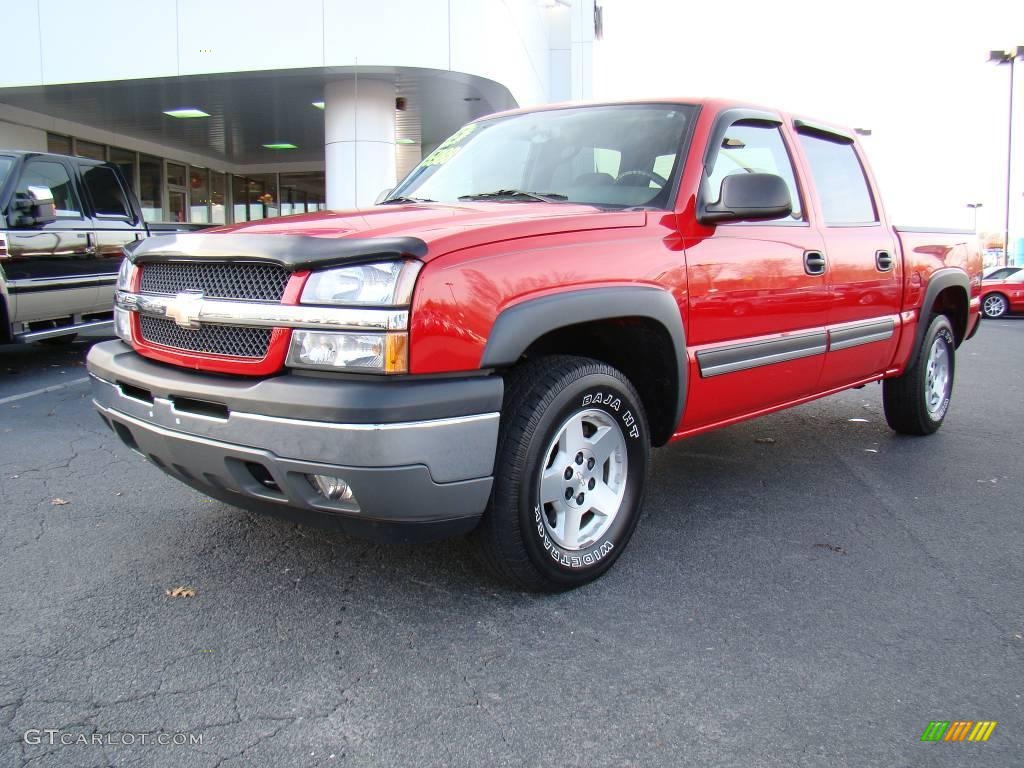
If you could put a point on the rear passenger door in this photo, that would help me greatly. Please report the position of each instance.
(865, 267)
(115, 222)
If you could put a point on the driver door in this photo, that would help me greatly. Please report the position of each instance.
(50, 267)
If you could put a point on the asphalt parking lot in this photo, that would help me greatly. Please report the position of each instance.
(812, 601)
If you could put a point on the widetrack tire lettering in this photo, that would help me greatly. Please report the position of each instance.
(613, 403)
(564, 558)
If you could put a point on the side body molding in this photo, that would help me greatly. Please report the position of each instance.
(950, 277)
(517, 327)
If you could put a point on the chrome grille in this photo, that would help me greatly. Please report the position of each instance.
(208, 339)
(218, 280)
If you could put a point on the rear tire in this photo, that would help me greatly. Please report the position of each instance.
(916, 403)
(569, 477)
(994, 305)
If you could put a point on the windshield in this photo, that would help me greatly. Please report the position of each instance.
(616, 156)
(5, 167)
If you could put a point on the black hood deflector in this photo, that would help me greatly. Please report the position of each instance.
(293, 252)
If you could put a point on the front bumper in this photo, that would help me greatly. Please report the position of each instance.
(418, 455)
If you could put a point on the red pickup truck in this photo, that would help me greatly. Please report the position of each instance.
(498, 345)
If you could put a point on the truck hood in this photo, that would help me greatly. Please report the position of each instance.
(444, 228)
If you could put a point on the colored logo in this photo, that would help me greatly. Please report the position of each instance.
(958, 730)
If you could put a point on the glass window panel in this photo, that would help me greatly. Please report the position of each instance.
(151, 185)
(90, 150)
(175, 175)
(839, 180)
(240, 198)
(753, 149)
(108, 199)
(176, 201)
(60, 145)
(47, 173)
(301, 192)
(125, 161)
(218, 190)
(199, 195)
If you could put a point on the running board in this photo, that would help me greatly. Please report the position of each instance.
(64, 330)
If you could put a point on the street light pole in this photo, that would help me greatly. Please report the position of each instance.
(974, 207)
(1008, 57)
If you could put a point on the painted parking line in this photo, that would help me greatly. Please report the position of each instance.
(43, 391)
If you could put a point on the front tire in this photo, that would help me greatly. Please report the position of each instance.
(569, 476)
(916, 403)
(994, 305)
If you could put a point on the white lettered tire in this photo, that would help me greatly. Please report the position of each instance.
(569, 474)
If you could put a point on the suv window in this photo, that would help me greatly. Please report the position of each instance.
(840, 181)
(48, 173)
(108, 198)
(754, 148)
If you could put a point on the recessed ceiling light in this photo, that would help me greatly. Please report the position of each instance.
(280, 145)
(405, 141)
(185, 112)
(318, 104)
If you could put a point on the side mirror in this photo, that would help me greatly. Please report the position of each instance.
(384, 195)
(749, 197)
(36, 206)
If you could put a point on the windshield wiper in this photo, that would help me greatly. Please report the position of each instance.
(546, 197)
(404, 199)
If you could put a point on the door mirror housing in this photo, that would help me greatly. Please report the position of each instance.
(749, 197)
(35, 207)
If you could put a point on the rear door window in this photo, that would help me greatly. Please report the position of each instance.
(839, 180)
(108, 197)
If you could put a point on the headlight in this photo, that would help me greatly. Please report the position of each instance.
(125, 275)
(384, 284)
(342, 350)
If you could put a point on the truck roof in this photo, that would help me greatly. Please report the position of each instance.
(33, 153)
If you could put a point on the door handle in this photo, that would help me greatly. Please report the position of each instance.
(883, 261)
(814, 262)
(90, 244)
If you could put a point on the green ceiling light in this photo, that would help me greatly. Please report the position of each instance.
(185, 112)
(280, 145)
(318, 104)
(405, 141)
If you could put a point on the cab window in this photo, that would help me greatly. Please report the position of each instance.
(754, 148)
(51, 174)
(839, 180)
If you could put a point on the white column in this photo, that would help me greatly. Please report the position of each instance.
(359, 139)
(582, 49)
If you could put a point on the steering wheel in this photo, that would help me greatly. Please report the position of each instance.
(661, 181)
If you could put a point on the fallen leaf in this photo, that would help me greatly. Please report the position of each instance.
(180, 592)
(765, 440)
(861, 421)
(832, 548)
(870, 450)
(59, 502)
(117, 493)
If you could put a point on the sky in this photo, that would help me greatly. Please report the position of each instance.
(915, 73)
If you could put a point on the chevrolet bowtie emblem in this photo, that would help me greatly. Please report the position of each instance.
(184, 309)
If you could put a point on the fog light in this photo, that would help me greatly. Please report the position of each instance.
(333, 488)
(123, 324)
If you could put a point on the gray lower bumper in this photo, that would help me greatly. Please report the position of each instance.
(424, 471)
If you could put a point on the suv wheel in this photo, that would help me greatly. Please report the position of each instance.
(916, 402)
(569, 473)
(994, 305)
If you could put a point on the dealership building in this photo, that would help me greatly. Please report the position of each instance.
(234, 111)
